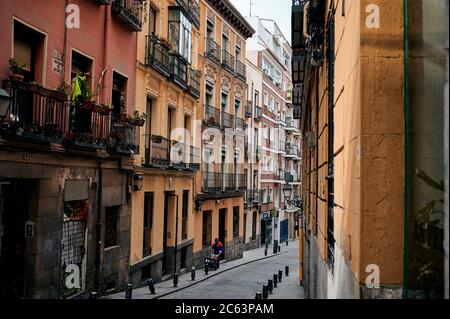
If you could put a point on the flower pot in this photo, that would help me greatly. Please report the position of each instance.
(137, 122)
(101, 109)
(16, 77)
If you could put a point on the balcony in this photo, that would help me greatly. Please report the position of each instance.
(258, 113)
(157, 55)
(194, 12)
(248, 109)
(227, 120)
(223, 182)
(291, 178)
(130, 12)
(212, 50)
(124, 138)
(46, 116)
(194, 83)
(228, 61)
(36, 113)
(212, 116)
(179, 71)
(241, 70)
(240, 124)
(291, 125)
(253, 197)
(161, 152)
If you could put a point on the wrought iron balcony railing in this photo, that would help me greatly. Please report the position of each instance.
(130, 12)
(194, 11)
(212, 50)
(227, 120)
(223, 182)
(194, 83)
(164, 153)
(124, 138)
(228, 61)
(212, 116)
(241, 70)
(240, 124)
(258, 113)
(157, 55)
(36, 112)
(179, 71)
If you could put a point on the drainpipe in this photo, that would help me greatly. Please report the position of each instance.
(406, 106)
(106, 50)
(63, 74)
(99, 226)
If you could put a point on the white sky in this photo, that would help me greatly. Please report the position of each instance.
(278, 10)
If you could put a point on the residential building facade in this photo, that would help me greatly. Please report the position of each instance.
(167, 91)
(278, 132)
(66, 155)
(359, 74)
(221, 184)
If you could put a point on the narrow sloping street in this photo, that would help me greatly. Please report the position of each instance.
(237, 279)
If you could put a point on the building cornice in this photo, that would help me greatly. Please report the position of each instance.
(233, 17)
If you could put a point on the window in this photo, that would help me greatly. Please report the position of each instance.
(210, 30)
(236, 217)
(180, 36)
(272, 104)
(254, 220)
(29, 50)
(111, 216)
(184, 220)
(238, 53)
(148, 224)
(152, 18)
(225, 43)
(206, 229)
(270, 195)
(118, 95)
(264, 196)
(266, 99)
(224, 102)
(256, 98)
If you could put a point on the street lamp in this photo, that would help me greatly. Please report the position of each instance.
(5, 100)
(287, 192)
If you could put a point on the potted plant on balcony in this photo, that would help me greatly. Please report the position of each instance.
(137, 119)
(80, 92)
(16, 70)
(101, 108)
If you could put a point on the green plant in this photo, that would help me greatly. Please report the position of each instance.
(138, 116)
(80, 89)
(15, 67)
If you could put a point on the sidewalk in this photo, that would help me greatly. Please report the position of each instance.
(184, 281)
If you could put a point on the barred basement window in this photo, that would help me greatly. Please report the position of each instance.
(111, 216)
(235, 221)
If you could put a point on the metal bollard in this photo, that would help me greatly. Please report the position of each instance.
(129, 292)
(193, 273)
(151, 286)
(175, 280)
(270, 286)
(287, 242)
(94, 295)
(265, 292)
(206, 267)
(258, 295)
(265, 252)
(275, 281)
(286, 270)
(280, 275)
(279, 248)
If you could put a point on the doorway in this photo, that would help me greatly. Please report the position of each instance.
(165, 230)
(14, 213)
(222, 225)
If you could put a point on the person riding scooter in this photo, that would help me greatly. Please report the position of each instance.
(217, 248)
